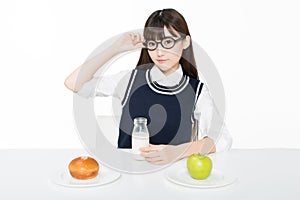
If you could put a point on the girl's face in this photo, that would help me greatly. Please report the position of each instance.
(167, 60)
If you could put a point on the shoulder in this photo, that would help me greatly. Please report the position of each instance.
(196, 84)
(193, 80)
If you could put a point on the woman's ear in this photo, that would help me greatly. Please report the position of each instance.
(186, 42)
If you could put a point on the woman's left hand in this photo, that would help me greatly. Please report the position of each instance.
(163, 154)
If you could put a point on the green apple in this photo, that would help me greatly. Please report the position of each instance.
(199, 166)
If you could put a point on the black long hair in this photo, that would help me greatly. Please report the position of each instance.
(154, 27)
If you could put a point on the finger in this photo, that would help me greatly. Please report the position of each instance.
(154, 159)
(157, 147)
(134, 38)
(152, 148)
(161, 146)
(151, 154)
(131, 36)
(163, 162)
(142, 38)
(145, 149)
(138, 37)
(149, 148)
(159, 162)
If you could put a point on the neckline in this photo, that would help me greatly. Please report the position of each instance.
(157, 76)
(170, 90)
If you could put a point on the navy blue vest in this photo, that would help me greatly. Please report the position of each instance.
(169, 110)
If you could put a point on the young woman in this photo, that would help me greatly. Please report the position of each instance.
(164, 88)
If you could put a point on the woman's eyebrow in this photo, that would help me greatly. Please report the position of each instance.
(167, 36)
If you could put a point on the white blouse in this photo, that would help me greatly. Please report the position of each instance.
(205, 112)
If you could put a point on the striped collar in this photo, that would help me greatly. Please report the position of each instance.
(170, 85)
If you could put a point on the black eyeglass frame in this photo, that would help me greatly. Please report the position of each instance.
(160, 42)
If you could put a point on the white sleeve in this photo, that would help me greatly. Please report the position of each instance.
(211, 123)
(107, 85)
(88, 89)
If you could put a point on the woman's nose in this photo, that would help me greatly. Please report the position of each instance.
(159, 50)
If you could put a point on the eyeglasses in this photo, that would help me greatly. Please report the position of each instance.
(167, 43)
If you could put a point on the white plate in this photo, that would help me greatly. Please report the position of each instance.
(105, 176)
(179, 175)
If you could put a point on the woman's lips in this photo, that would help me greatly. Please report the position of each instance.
(161, 60)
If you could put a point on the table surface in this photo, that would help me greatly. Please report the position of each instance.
(261, 174)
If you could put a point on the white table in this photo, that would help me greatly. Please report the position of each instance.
(262, 174)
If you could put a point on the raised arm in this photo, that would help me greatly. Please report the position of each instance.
(85, 72)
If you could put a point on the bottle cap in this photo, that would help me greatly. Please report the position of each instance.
(140, 120)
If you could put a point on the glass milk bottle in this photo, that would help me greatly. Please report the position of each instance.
(140, 136)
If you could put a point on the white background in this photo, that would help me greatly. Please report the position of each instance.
(254, 45)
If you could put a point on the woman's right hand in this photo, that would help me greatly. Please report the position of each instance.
(129, 41)
(125, 42)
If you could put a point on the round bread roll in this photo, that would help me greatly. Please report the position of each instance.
(84, 168)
